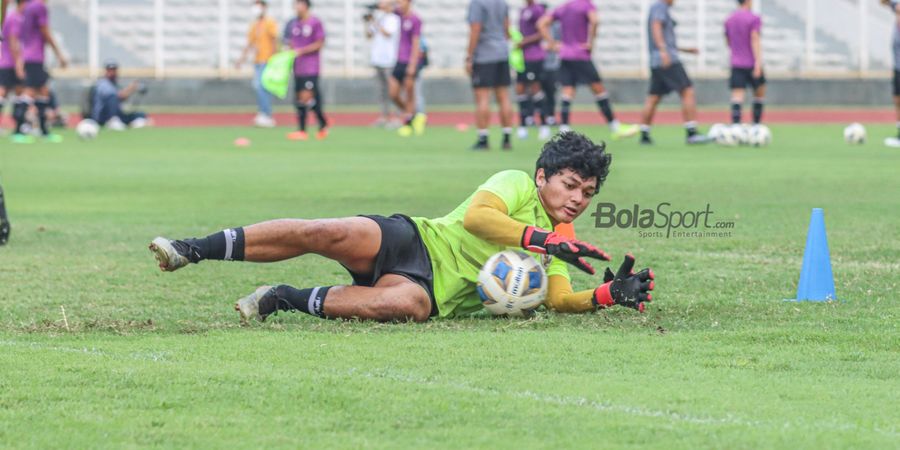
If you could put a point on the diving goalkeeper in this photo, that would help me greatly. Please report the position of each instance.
(416, 268)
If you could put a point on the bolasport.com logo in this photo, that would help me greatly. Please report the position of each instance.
(663, 221)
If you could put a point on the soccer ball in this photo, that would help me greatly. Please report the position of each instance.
(716, 130)
(725, 136)
(855, 133)
(760, 136)
(512, 283)
(741, 133)
(87, 129)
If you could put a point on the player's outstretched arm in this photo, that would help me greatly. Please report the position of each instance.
(565, 248)
(625, 288)
(487, 217)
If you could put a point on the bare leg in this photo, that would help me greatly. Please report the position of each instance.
(688, 105)
(394, 91)
(393, 298)
(353, 242)
(650, 106)
(506, 111)
(409, 85)
(482, 108)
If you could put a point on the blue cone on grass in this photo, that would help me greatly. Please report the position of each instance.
(816, 280)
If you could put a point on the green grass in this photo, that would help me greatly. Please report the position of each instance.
(719, 361)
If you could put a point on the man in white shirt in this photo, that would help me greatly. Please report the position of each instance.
(383, 29)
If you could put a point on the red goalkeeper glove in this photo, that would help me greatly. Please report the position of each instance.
(625, 288)
(569, 250)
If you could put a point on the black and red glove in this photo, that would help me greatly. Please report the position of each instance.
(569, 250)
(625, 288)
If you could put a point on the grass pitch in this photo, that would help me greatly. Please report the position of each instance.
(147, 359)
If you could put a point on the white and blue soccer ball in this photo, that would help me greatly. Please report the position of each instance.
(855, 134)
(716, 130)
(760, 136)
(512, 283)
(741, 133)
(726, 136)
(87, 129)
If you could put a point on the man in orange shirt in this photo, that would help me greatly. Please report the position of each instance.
(262, 37)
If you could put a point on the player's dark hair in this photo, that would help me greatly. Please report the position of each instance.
(571, 150)
(307, 2)
(741, 2)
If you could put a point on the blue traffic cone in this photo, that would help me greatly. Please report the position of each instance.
(816, 280)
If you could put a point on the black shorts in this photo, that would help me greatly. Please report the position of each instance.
(534, 72)
(896, 83)
(8, 79)
(670, 79)
(399, 73)
(402, 253)
(574, 73)
(491, 75)
(35, 75)
(306, 83)
(741, 78)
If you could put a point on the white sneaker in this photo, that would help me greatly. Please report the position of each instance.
(564, 128)
(545, 133)
(140, 122)
(892, 142)
(116, 124)
(172, 255)
(264, 121)
(522, 133)
(249, 306)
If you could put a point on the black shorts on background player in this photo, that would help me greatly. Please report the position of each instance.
(491, 75)
(741, 78)
(534, 72)
(402, 253)
(574, 73)
(8, 79)
(669, 79)
(399, 72)
(35, 75)
(306, 83)
(896, 83)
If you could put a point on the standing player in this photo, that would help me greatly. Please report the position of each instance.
(262, 38)
(12, 68)
(528, 83)
(406, 72)
(4, 219)
(742, 30)
(668, 75)
(895, 8)
(34, 35)
(549, 79)
(487, 62)
(306, 35)
(415, 268)
(579, 22)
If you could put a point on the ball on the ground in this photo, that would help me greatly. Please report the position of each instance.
(855, 133)
(741, 133)
(512, 283)
(242, 142)
(87, 129)
(726, 137)
(760, 135)
(716, 130)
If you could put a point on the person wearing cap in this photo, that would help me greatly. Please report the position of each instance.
(262, 37)
(107, 101)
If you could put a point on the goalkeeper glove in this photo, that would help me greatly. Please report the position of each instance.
(625, 288)
(569, 250)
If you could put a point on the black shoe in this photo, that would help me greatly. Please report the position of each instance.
(645, 140)
(5, 229)
(480, 146)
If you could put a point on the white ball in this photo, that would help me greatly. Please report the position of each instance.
(741, 133)
(87, 129)
(512, 283)
(855, 133)
(760, 136)
(727, 137)
(716, 130)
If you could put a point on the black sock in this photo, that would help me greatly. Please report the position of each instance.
(537, 105)
(645, 132)
(506, 135)
(301, 117)
(226, 245)
(42, 104)
(564, 110)
(20, 107)
(605, 107)
(310, 301)
(3, 216)
(482, 137)
(2, 105)
(691, 129)
(524, 109)
(318, 108)
(758, 105)
(735, 112)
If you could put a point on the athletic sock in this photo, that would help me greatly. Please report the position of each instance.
(564, 108)
(898, 130)
(3, 216)
(758, 106)
(645, 132)
(525, 109)
(605, 107)
(507, 132)
(226, 245)
(736, 112)
(483, 137)
(42, 104)
(20, 108)
(2, 105)
(537, 105)
(301, 117)
(310, 301)
(690, 128)
(317, 108)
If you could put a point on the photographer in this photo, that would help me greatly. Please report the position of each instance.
(383, 29)
(108, 97)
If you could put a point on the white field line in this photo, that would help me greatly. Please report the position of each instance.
(582, 402)
(549, 399)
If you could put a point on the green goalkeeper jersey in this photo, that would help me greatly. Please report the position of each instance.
(457, 255)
